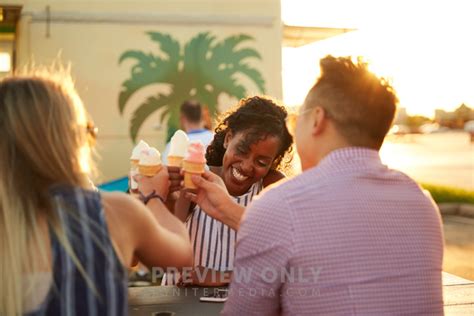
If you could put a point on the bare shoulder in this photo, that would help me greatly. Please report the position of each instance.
(121, 207)
(123, 214)
(272, 177)
(117, 198)
(118, 201)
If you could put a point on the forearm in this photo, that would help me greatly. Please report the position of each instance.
(181, 208)
(171, 202)
(166, 218)
(231, 215)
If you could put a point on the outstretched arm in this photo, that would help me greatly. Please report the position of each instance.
(182, 206)
(214, 199)
(150, 233)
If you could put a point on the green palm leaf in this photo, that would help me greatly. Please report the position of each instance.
(225, 82)
(226, 62)
(196, 64)
(224, 49)
(164, 114)
(141, 75)
(209, 69)
(210, 99)
(136, 54)
(173, 124)
(151, 105)
(242, 54)
(195, 52)
(253, 74)
(171, 113)
(167, 44)
(150, 69)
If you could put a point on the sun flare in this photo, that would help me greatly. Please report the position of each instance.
(423, 48)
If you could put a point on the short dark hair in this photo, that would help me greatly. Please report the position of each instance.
(192, 111)
(260, 117)
(361, 105)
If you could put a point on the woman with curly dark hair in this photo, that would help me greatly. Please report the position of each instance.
(256, 121)
(250, 148)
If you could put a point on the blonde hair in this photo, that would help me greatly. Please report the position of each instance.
(44, 143)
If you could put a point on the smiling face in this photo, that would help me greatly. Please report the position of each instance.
(244, 165)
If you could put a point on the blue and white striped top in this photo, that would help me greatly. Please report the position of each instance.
(213, 242)
(83, 220)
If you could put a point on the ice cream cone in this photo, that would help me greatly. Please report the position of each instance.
(134, 163)
(132, 184)
(178, 147)
(149, 170)
(134, 160)
(175, 161)
(194, 163)
(150, 162)
(192, 169)
(137, 150)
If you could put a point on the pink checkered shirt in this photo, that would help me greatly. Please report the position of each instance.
(348, 237)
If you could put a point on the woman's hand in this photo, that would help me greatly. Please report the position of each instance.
(160, 183)
(213, 198)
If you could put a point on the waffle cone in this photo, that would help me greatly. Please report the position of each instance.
(188, 182)
(134, 162)
(149, 171)
(191, 169)
(175, 161)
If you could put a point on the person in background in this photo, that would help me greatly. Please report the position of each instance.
(365, 238)
(64, 248)
(192, 122)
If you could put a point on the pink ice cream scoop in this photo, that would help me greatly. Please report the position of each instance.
(196, 153)
(194, 163)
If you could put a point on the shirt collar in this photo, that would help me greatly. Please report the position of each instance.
(197, 131)
(349, 158)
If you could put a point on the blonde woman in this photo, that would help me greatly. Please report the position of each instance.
(63, 247)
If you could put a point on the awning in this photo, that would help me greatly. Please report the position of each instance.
(295, 36)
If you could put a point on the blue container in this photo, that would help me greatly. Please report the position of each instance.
(120, 184)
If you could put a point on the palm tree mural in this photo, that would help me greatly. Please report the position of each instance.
(203, 70)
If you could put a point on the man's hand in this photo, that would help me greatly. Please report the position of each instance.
(175, 179)
(213, 198)
(160, 183)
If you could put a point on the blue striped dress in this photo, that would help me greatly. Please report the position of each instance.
(213, 242)
(83, 220)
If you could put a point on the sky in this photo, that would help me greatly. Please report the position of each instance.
(425, 48)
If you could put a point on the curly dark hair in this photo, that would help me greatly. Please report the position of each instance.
(260, 117)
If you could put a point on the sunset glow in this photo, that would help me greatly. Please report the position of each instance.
(423, 47)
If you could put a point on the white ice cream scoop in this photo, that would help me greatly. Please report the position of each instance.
(141, 146)
(150, 157)
(179, 144)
